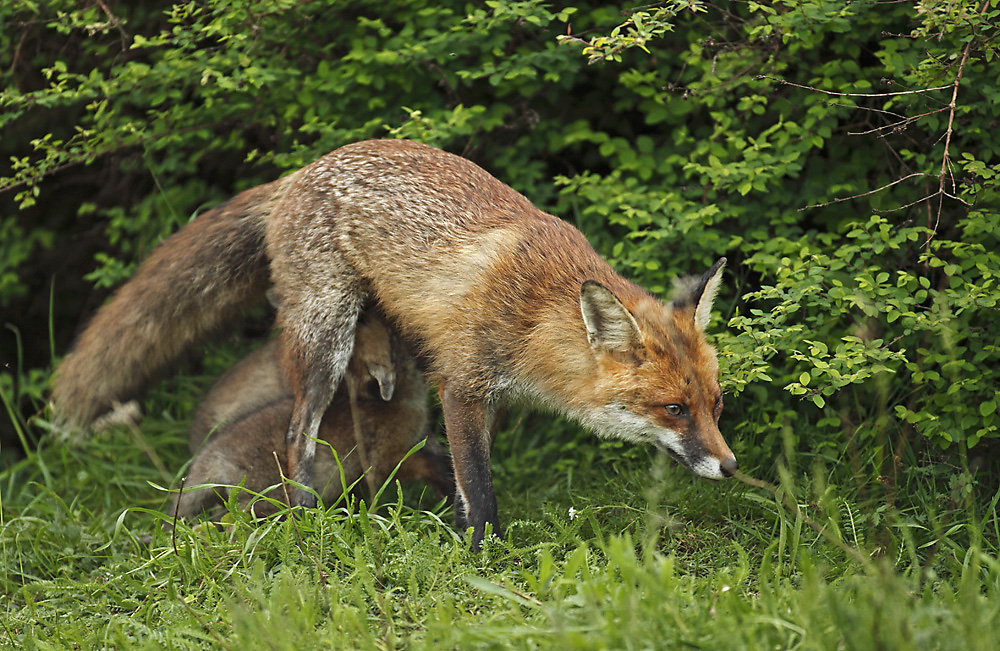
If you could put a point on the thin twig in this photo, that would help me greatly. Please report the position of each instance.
(17, 53)
(126, 38)
(882, 211)
(870, 109)
(958, 199)
(865, 194)
(281, 474)
(896, 125)
(366, 469)
(836, 94)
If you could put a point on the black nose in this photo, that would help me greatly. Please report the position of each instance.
(729, 466)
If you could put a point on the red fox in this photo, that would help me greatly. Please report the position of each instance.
(251, 406)
(505, 302)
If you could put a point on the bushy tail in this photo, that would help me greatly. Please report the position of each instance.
(193, 282)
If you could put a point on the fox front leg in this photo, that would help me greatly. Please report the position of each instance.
(467, 423)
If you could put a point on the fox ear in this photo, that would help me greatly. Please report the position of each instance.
(610, 325)
(701, 294)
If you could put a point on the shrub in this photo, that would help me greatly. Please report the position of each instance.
(838, 153)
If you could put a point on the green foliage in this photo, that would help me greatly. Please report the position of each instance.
(16, 246)
(781, 151)
(637, 31)
(837, 319)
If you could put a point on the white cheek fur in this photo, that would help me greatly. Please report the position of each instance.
(616, 421)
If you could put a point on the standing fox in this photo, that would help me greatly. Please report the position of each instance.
(507, 304)
(250, 407)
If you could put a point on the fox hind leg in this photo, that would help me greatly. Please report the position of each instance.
(319, 301)
(317, 348)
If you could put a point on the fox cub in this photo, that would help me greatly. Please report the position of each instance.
(240, 426)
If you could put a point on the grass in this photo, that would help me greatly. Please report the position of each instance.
(608, 547)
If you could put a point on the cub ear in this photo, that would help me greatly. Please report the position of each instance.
(386, 378)
(701, 293)
(610, 326)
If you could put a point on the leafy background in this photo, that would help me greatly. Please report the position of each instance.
(838, 153)
(842, 155)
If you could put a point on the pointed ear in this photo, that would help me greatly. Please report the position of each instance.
(610, 326)
(386, 378)
(701, 294)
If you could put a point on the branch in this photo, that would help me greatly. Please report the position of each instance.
(830, 92)
(870, 192)
(901, 124)
(14, 182)
(947, 138)
(126, 38)
(941, 193)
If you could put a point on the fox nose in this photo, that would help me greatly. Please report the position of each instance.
(729, 466)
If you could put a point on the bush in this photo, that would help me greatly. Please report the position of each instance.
(838, 153)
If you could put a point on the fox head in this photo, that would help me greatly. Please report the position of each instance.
(659, 374)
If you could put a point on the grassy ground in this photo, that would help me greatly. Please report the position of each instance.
(608, 547)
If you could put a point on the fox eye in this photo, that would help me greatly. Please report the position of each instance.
(675, 410)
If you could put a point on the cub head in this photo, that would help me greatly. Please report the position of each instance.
(658, 374)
